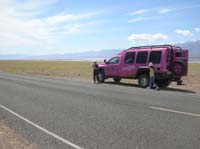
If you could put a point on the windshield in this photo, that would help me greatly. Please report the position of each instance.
(113, 60)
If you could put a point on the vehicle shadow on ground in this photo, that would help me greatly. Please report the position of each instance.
(170, 89)
(186, 91)
(121, 84)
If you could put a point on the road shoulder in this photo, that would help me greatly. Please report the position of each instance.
(10, 139)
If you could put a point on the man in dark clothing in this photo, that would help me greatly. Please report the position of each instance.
(95, 72)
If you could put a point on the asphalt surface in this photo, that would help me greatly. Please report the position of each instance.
(99, 116)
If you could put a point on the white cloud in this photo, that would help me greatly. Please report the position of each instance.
(185, 33)
(141, 39)
(164, 10)
(25, 8)
(77, 27)
(197, 29)
(139, 12)
(67, 17)
(140, 19)
(21, 25)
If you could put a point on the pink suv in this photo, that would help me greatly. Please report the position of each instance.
(170, 62)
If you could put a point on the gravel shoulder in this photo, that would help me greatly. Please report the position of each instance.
(10, 140)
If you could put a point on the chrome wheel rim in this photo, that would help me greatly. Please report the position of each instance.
(143, 82)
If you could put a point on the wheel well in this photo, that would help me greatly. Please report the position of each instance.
(142, 71)
(101, 70)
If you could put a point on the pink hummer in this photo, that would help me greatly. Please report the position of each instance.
(170, 63)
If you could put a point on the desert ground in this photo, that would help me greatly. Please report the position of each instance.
(11, 140)
(82, 71)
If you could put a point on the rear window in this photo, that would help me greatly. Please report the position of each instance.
(129, 58)
(141, 57)
(155, 57)
(180, 54)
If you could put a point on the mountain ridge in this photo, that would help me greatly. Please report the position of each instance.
(192, 46)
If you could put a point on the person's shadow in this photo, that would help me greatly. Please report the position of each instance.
(171, 89)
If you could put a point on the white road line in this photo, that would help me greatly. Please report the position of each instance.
(42, 129)
(174, 111)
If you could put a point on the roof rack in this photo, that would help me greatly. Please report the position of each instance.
(154, 46)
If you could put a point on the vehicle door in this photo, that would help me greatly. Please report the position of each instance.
(141, 59)
(156, 58)
(112, 68)
(180, 62)
(128, 68)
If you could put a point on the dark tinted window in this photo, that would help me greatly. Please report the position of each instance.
(179, 54)
(155, 57)
(130, 58)
(141, 57)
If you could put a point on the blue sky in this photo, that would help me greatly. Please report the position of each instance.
(35, 27)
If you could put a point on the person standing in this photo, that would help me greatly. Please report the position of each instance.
(152, 76)
(95, 72)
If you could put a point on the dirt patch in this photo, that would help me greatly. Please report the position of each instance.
(11, 140)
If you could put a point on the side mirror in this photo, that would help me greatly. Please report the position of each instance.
(105, 61)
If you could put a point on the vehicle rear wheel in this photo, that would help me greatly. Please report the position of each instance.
(143, 81)
(101, 77)
(117, 79)
(163, 83)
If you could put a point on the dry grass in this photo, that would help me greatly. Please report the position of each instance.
(10, 140)
(82, 71)
(192, 81)
(72, 69)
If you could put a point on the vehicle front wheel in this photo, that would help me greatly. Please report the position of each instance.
(143, 81)
(117, 80)
(101, 77)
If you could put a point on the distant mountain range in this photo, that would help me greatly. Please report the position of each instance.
(192, 46)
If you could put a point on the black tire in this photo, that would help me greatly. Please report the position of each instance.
(163, 83)
(179, 68)
(143, 81)
(117, 79)
(101, 77)
(179, 82)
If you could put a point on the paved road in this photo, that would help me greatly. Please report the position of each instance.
(54, 113)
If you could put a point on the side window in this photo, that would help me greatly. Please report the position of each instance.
(113, 60)
(142, 57)
(155, 57)
(180, 54)
(129, 58)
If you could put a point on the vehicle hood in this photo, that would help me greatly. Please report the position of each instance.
(102, 65)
